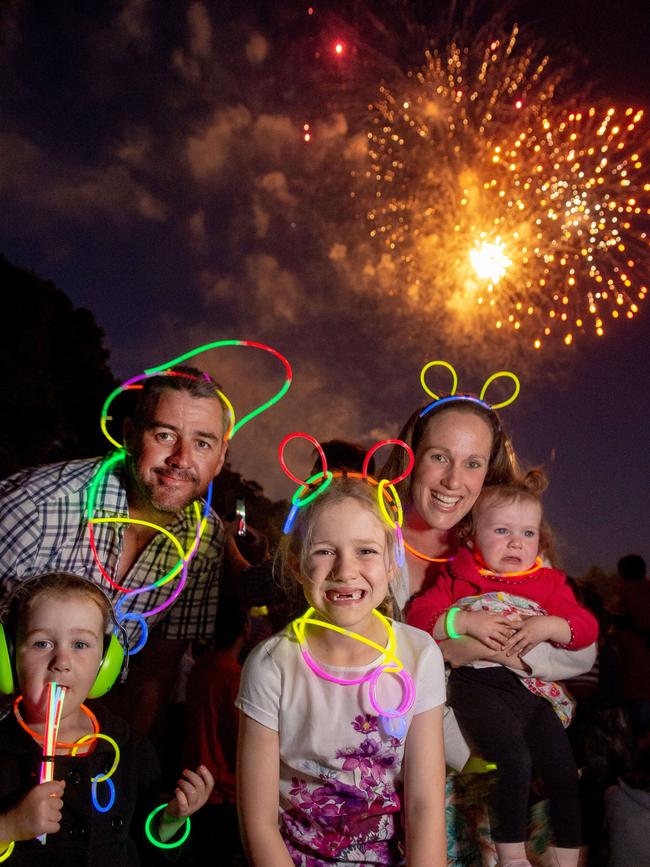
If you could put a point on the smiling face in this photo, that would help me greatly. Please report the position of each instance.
(59, 638)
(507, 533)
(450, 467)
(347, 565)
(177, 452)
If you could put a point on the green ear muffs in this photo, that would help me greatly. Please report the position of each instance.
(6, 668)
(109, 669)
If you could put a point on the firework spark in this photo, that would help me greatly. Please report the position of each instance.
(502, 206)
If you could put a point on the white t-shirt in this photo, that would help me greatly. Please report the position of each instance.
(340, 771)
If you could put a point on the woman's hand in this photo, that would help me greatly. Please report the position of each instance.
(466, 650)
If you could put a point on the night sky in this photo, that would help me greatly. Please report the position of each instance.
(153, 165)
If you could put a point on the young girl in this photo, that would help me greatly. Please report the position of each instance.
(57, 629)
(497, 591)
(340, 748)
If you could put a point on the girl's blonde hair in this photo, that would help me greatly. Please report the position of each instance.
(290, 562)
(528, 487)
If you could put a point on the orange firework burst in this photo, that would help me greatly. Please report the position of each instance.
(501, 205)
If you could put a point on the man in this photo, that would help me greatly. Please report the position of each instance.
(174, 446)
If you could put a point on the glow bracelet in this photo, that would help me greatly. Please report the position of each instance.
(158, 843)
(449, 623)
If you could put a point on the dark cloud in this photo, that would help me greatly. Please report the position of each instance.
(154, 165)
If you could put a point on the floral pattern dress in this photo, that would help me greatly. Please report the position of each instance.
(340, 766)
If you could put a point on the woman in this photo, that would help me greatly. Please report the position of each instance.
(460, 445)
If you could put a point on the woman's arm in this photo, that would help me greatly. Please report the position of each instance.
(544, 661)
(424, 791)
(555, 663)
(465, 650)
(258, 785)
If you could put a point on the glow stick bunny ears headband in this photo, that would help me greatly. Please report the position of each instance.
(387, 497)
(453, 397)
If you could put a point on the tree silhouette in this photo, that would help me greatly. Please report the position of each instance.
(55, 378)
(55, 374)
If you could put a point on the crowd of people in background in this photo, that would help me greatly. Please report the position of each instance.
(525, 655)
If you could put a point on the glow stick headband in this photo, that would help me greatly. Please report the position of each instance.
(164, 369)
(386, 492)
(439, 400)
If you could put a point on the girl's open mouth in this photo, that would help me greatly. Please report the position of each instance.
(345, 595)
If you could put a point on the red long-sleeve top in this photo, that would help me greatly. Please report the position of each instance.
(547, 587)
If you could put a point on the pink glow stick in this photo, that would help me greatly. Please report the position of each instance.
(55, 698)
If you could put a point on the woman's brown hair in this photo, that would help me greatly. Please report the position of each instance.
(502, 465)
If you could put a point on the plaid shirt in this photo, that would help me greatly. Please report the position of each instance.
(44, 528)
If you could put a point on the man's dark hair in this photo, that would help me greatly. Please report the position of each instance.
(632, 567)
(182, 378)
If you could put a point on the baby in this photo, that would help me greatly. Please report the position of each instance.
(57, 628)
(499, 576)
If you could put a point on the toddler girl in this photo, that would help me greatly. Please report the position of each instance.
(58, 629)
(498, 591)
(340, 749)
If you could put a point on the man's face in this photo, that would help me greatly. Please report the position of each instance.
(178, 450)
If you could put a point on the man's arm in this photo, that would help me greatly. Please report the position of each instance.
(20, 534)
